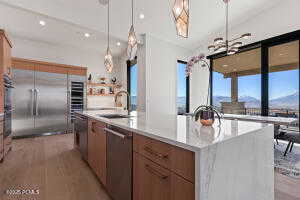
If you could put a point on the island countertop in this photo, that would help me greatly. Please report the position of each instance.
(181, 131)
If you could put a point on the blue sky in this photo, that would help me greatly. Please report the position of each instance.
(181, 78)
(280, 84)
(133, 80)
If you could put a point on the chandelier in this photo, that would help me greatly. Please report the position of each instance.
(181, 15)
(108, 59)
(230, 46)
(132, 40)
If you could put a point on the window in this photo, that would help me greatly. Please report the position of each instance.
(182, 89)
(132, 83)
(221, 89)
(284, 80)
(236, 81)
(263, 79)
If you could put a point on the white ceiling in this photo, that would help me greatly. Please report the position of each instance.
(65, 18)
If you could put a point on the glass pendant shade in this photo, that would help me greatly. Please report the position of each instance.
(237, 44)
(211, 47)
(108, 61)
(246, 36)
(223, 48)
(132, 44)
(218, 41)
(181, 15)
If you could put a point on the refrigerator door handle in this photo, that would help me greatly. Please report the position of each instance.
(36, 103)
(32, 101)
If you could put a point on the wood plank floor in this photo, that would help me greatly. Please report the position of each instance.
(51, 165)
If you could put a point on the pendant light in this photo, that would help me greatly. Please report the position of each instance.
(231, 46)
(132, 40)
(181, 15)
(108, 59)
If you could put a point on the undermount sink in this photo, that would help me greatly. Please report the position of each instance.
(114, 116)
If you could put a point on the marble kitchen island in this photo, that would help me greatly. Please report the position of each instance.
(233, 161)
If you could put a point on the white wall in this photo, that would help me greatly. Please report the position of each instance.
(161, 75)
(282, 18)
(35, 50)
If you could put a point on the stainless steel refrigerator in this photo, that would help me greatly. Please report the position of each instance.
(42, 103)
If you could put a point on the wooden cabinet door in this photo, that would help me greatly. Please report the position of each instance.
(150, 181)
(100, 152)
(6, 55)
(1, 140)
(181, 188)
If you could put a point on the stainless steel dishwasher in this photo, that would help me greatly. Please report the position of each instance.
(81, 135)
(119, 163)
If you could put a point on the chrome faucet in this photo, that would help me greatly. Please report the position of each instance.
(128, 99)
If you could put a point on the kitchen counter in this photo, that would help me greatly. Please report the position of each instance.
(180, 130)
(263, 119)
(233, 160)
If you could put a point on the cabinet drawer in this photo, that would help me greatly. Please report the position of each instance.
(154, 150)
(153, 182)
(150, 181)
(178, 160)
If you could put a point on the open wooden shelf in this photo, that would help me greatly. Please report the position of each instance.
(103, 95)
(104, 85)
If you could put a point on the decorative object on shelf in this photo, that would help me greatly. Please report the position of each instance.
(132, 40)
(90, 78)
(113, 80)
(108, 59)
(206, 115)
(230, 46)
(102, 91)
(181, 16)
(194, 60)
(90, 91)
(102, 79)
(111, 90)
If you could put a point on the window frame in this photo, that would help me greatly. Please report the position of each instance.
(187, 99)
(264, 45)
(129, 64)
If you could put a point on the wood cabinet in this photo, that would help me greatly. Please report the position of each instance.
(97, 149)
(1, 139)
(176, 159)
(25, 64)
(5, 64)
(154, 182)
(160, 171)
(5, 57)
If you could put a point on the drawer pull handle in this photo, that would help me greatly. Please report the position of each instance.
(151, 151)
(155, 172)
(93, 127)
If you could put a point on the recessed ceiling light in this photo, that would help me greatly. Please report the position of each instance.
(42, 23)
(142, 16)
(118, 43)
(225, 65)
(87, 35)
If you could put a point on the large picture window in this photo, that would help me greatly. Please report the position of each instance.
(237, 83)
(182, 89)
(284, 80)
(258, 81)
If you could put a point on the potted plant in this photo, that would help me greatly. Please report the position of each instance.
(205, 114)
